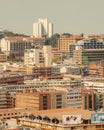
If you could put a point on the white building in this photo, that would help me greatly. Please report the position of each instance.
(38, 57)
(42, 28)
(14, 45)
(96, 85)
(74, 98)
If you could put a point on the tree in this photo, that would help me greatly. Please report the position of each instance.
(67, 34)
(11, 56)
(54, 59)
(53, 40)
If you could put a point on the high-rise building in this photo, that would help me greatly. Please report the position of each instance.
(42, 28)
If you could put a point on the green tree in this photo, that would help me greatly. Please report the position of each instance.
(11, 57)
(52, 40)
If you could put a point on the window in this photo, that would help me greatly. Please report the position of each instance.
(58, 106)
(44, 97)
(58, 96)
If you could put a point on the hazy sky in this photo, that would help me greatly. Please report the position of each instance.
(72, 16)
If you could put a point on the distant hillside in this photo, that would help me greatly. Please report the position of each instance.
(10, 33)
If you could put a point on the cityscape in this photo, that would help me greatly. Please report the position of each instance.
(51, 80)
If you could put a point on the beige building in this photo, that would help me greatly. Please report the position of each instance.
(88, 99)
(56, 55)
(7, 100)
(101, 69)
(13, 113)
(77, 56)
(38, 57)
(3, 57)
(55, 120)
(41, 100)
(65, 41)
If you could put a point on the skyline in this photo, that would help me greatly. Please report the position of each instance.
(69, 16)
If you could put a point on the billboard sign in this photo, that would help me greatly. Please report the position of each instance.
(97, 118)
(72, 119)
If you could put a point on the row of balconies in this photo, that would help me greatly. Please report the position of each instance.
(11, 79)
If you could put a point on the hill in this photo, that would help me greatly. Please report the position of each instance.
(10, 33)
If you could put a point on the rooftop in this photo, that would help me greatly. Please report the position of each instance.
(58, 113)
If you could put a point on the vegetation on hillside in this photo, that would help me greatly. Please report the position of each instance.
(10, 33)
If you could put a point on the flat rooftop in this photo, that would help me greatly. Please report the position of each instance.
(58, 113)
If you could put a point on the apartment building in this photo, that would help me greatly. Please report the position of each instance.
(92, 99)
(96, 69)
(57, 56)
(86, 56)
(100, 100)
(3, 57)
(96, 83)
(64, 42)
(59, 99)
(87, 43)
(34, 84)
(42, 71)
(88, 99)
(55, 82)
(41, 100)
(93, 69)
(73, 95)
(7, 100)
(10, 113)
(42, 28)
(56, 70)
(10, 78)
(36, 41)
(99, 37)
(101, 69)
(14, 45)
(70, 70)
(38, 57)
(74, 98)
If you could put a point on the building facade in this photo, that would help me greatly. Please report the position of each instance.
(90, 43)
(101, 69)
(14, 45)
(65, 41)
(41, 100)
(10, 78)
(6, 99)
(74, 98)
(3, 57)
(38, 57)
(86, 56)
(88, 99)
